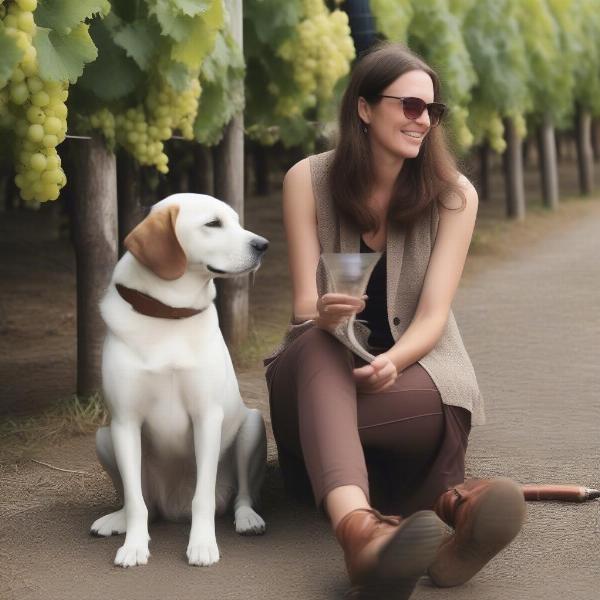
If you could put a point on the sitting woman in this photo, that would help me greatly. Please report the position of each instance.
(389, 436)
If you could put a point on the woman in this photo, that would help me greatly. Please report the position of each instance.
(389, 436)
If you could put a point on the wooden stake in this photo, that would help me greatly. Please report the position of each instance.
(94, 180)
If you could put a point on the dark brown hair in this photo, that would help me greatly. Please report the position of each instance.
(427, 178)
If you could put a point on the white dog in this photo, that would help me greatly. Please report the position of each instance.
(181, 442)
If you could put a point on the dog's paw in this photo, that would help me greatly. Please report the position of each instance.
(111, 524)
(247, 522)
(203, 553)
(132, 554)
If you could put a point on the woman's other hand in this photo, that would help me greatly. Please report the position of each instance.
(334, 309)
(376, 376)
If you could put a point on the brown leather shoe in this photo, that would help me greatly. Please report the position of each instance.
(486, 514)
(386, 555)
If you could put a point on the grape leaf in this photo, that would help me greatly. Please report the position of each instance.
(64, 15)
(222, 96)
(192, 7)
(113, 74)
(63, 57)
(200, 42)
(176, 17)
(270, 21)
(139, 40)
(10, 55)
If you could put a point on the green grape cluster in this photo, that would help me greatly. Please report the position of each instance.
(495, 133)
(320, 54)
(39, 112)
(462, 133)
(142, 129)
(488, 126)
(104, 120)
(174, 110)
(142, 138)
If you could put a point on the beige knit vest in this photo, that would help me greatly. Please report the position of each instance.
(408, 251)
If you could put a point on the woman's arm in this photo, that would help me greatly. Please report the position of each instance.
(455, 230)
(300, 224)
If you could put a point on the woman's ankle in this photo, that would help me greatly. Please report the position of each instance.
(342, 500)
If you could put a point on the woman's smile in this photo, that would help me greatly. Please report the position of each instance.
(416, 135)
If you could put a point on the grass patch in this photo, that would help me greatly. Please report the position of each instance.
(21, 436)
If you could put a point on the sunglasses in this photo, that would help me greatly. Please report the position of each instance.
(413, 108)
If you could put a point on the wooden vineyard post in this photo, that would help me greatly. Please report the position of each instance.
(515, 192)
(548, 163)
(94, 178)
(585, 158)
(228, 165)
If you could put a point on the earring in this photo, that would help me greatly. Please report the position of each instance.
(365, 129)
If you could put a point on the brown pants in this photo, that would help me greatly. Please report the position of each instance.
(402, 446)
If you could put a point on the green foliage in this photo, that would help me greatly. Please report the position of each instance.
(138, 39)
(435, 33)
(222, 80)
(393, 18)
(296, 55)
(587, 62)
(498, 53)
(176, 17)
(551, 76)
(192, 50)
(62, 16)
(62, 56)
(113, 75)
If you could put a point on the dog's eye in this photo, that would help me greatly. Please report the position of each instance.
(215, 223)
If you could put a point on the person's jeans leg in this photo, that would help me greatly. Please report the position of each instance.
(313, 410)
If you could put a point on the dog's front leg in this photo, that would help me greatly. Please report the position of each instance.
(202, 548)
(126, 438)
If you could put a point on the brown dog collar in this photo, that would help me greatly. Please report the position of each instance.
(151, 307)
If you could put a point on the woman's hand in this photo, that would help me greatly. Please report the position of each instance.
(376, 376)
(333, 309)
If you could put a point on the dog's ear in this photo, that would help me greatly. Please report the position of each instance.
(154, 243)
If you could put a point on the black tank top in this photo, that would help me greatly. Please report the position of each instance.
(375, 313)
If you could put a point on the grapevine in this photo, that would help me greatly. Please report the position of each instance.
(319, 54)
(38, 110)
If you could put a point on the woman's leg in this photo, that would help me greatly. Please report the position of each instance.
(414, 444)
(316, 417)
(313, 406)
(313, 414)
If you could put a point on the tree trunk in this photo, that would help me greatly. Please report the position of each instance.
(129, 190)
(515, 189)
(228, 163)
(585, 161)
(94, 181)
(484, 172)
(548, 164)
(201, 177)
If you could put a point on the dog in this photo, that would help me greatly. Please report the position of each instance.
(181, 443)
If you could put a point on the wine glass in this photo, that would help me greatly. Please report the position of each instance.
(349, 273)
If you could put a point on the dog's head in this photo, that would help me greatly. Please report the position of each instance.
(195, 231)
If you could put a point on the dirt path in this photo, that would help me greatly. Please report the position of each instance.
(531, 324)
